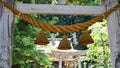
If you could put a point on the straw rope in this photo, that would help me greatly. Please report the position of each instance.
(57, 28)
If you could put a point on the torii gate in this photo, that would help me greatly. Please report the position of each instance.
(6, 25)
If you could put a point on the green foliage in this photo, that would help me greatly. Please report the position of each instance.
(24, 52)
(84, 2)
(99, 53)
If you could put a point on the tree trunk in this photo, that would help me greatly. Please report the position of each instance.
(114, 33)
(6, 36)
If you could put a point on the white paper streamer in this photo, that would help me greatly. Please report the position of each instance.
(53, 39)
(74, 39)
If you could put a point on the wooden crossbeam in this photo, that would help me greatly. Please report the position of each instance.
(60, 9)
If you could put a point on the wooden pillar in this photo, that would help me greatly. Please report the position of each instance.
(79, 62)
(60, 63)
(114, 33)
(6, 36)
(75, 65)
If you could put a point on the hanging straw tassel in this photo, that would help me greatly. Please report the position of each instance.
(41, 39)
(64, 44)
(86, 38)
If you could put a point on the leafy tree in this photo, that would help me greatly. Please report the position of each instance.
(24, 52)
(99, 52)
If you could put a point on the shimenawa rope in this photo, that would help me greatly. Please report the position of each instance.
(58, 28)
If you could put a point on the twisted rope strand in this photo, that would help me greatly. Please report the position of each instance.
(57, 28)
